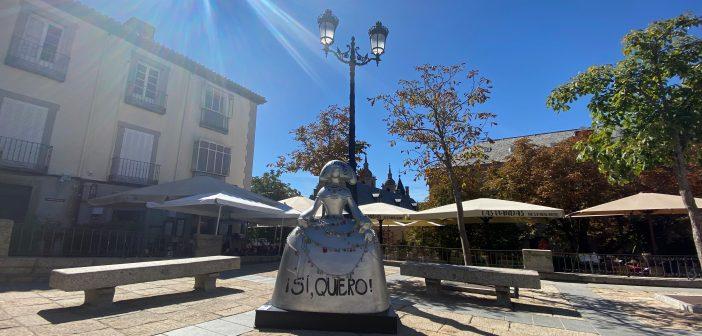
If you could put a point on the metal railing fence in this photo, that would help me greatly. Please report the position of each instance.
(479, 257)
(679, 266)
(82, 242)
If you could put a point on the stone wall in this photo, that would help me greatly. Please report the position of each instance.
(53, 199)
(538, 260)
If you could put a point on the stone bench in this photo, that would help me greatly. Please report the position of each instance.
(501, 278)
(99, 282)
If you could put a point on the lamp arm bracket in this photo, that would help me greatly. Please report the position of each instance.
(342, 56)
(362, 59)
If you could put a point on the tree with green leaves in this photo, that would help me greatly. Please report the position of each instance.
(436, 116)
(323, 140)
(647, 108)
(270, 185)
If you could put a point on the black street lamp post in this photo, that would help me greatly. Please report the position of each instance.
(377, 34)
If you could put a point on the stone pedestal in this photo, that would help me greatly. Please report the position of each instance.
(538, 260)
(100, 296)
(433, 286)
(270, 317)
(207, 245)
(5, 236)
(206, 282)
(503, 297)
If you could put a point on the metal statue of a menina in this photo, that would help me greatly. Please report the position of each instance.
(332, 264)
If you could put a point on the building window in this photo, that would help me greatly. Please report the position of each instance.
(42, 38)
(211, 159)
(135, 153)
(25, 127)
(216, 109)
(146, 87)
(39, 44)
(145, 83)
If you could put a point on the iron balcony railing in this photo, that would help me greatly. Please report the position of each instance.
(39, 58)
(214, 120)
(133, 172)
(152, 100)
(647, 265)
(491, 258)
(84, 242)
(24, 155)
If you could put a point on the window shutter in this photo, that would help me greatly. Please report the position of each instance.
(51, 43)
(137, 145)
(151, 84)
(34, 30)
(21, 120)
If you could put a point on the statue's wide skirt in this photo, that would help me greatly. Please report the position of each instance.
(330, 267)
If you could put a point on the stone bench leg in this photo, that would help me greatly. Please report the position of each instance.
(433, 285)
(206, 282)
(503, 296)
(100, 296)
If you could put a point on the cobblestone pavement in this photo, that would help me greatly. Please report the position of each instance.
(171, 307)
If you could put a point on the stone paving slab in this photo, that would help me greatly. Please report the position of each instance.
(170, 307)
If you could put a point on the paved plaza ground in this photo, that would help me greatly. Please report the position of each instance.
(171, 307)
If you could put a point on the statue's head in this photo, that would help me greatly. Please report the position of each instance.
(337, 172)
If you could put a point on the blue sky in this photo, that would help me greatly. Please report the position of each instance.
(272, 47)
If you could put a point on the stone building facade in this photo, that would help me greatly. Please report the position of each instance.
(90, 106)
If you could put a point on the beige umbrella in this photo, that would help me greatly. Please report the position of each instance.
(640, 204)
(302, 204)
(421, 223)
(485, 209)
(381, 212)
(298, 203)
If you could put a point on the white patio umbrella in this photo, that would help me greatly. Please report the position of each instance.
(485, 209)
(197, 185)
(241, 208)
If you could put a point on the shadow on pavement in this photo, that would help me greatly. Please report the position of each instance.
(442, 320)
(250, 269)
(611, 315)
(77, 313)
(455, 301)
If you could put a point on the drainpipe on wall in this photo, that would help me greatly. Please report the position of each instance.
(81, 160)
(182, 124)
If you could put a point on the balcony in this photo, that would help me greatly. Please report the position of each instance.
(33, 57)
(153, 101)
(214, 120)
(133, 172)
(24, 155)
